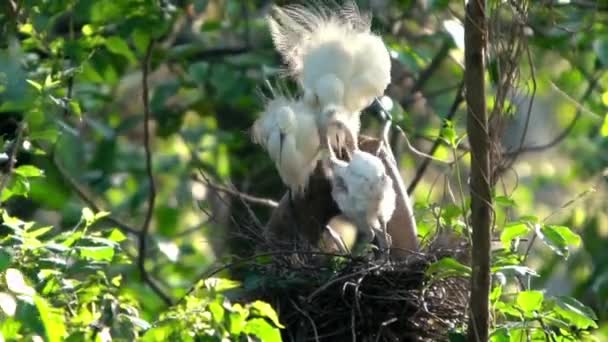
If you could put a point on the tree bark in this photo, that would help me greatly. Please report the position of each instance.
(480, 183)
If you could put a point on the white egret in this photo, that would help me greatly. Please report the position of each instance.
(341, 65)
(287, 129)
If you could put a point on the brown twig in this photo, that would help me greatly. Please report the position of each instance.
(241, 195)
(425, 164)
(141, 258)
(87, 199)
(593, 83)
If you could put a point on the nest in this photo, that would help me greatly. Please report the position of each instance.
(330, 297)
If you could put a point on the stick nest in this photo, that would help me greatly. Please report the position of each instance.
(326, 297)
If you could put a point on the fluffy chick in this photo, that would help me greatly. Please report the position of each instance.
(364, 193)
(287, 129)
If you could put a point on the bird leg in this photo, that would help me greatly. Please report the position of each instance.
(364, 238)
(337, 240)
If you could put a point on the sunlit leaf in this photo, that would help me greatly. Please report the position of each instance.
(530, 301)
(29, 171)
(263, 330)
(16, 282)
(576, 313)
(97, 253)
(8, 304)
(264, 309)
(511, 231)
(52, 319)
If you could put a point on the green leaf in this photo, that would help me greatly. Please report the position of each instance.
(568, 235)
(97, 253)
(505, 201)
(558, 238)
(39, 232)
(217, 312)
(600, 46)
(263, 309)
(220, 284)
(500, 335)
(117, 236)
(511, 231)
(75, 108)
(576, 313)
(530, 301)
(87, 215)
(35, 84)
(16, 282)
(604, 129)
(5, 259)
(118, 46)
(261, 329)
(447, 267)
(52, 319)
(29, 171)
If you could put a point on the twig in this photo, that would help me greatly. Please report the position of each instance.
(243, 196)
(558, 139)
(147, 278)
(436, 62)
(87, 199)
(339, 279)
(312, 323)
(12, 158)
(425, 164)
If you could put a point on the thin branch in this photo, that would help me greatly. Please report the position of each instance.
(87, 199)
(12, 158)
(436, 62)
(560, 137)
(425, 164)
(241, 195)
(141, 260)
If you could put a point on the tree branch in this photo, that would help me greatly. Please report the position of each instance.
(241, 195)
(423, 167)
(88, 200)
(480, 182)
(436, 62)
(146, 277)
(593, 83)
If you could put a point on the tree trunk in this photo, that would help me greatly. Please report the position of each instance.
(480, 188)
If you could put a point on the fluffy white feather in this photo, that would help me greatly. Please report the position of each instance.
(316, 41)
(341, 65)
(287, 130)
(364, 193)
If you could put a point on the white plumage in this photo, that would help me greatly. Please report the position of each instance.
(364, 193)
(287, 130)
(340, 64)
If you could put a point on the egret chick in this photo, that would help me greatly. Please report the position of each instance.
(364, 193)
(287, 129)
